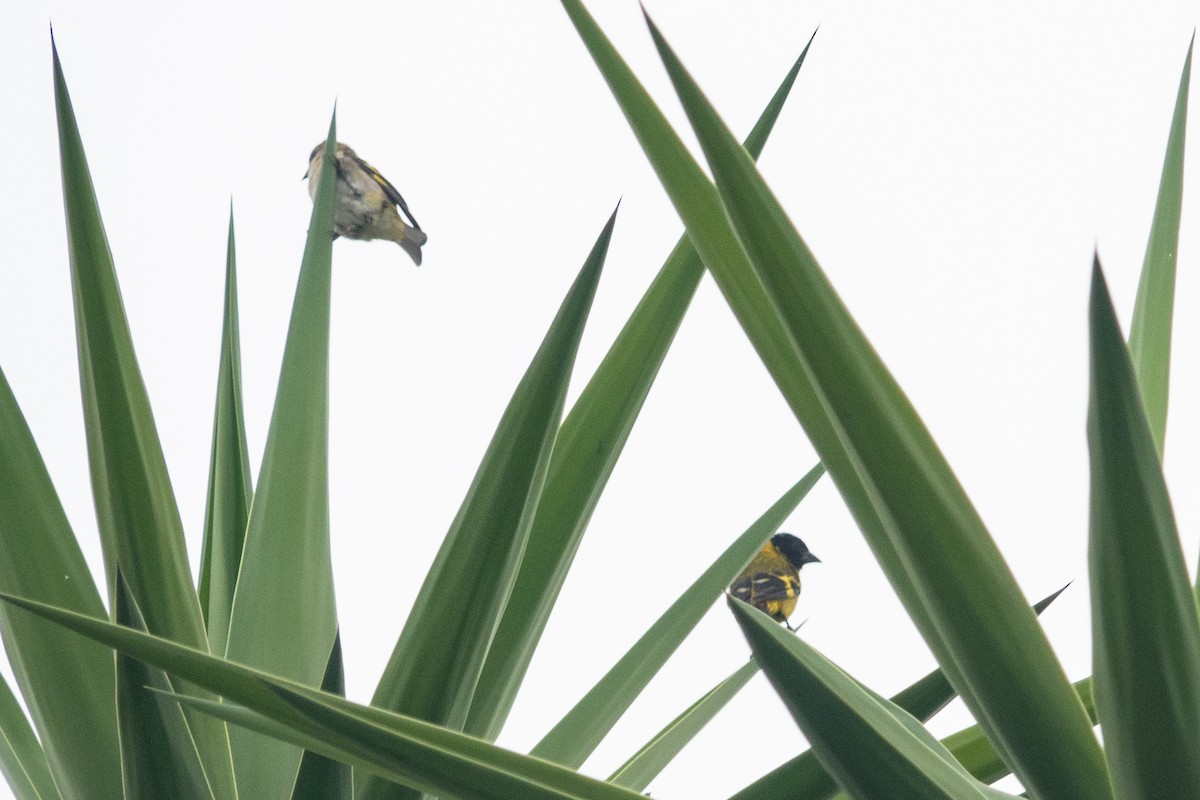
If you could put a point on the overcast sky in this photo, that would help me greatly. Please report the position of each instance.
(952, 168)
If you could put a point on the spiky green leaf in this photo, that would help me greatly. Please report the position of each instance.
(284, 619)
(1145, 627)
(585, 453)
(229, 481)
(22, 759)
(436, 664)
(967, 604)
(644, 765)
(422, 755)
(873, 749)
(1153, 310)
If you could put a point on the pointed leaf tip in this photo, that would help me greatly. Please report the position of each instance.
(1042, 605)
(1099, 283)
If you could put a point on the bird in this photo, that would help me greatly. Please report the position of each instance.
(366, 202)
(771, 581)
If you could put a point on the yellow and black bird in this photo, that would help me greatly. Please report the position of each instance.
(366, 202)
(771, 582)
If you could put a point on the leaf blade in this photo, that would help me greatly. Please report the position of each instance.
(1147, 684)
(140, 528)
(1150, 332)
(585, 453)
(22, 759)
(283, 617)
(451, 763)
(437, 661)
(870, 747)
(698, 204)
(804, 777)
(967, 604)
(650, 759)
(158, 755)
(229, 482)
(67, 683)
(320, 777)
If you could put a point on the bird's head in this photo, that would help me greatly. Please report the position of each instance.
(315, 158)
(793, 550)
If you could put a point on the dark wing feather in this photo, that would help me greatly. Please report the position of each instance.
(742, 590)
(388, 190)
(763, 587)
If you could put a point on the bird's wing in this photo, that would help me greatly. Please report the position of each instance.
(763, 587)
(388, 190)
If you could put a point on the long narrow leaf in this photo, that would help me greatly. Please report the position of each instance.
(1150, 332)
(67, 682)
(135, 504)
(22, 759)
(283, 618)
(872, 748)
(804, 778)
(698, 204)
(585, 453)
(321, 777)
(428, 761)
(1145, 627)
(229, 482)
(971, 748)
(644, 765)
(423, 755)
(1003, 666)
(158, 756)
(576, 735)
(437, 661)
(140, 528)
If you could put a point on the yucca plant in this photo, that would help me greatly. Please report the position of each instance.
(234, 687)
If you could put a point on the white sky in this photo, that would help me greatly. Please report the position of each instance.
(951, 167)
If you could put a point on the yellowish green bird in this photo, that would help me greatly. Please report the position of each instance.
(771, 582)
(368, 206)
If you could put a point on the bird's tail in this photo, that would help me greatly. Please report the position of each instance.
(411, 241)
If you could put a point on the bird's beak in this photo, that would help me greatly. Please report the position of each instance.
(811, 559)
(305, 176)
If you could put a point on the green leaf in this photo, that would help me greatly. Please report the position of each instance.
(22, 760)
(229, 481)
(930, 695)
(967, 604)
(804, 777)
(1145, 627)
(971, 748)
(284, 619)
(872, 748)
(644, 765)
(585, 453)
(698, 204)
(801, 778)
(135, 504)
(428, 760)
(140, 528)
(425, 756)
(158, 757)
(576, 735)
(321, 777)
(67, 682)
(1150, 333)
(437, 661)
